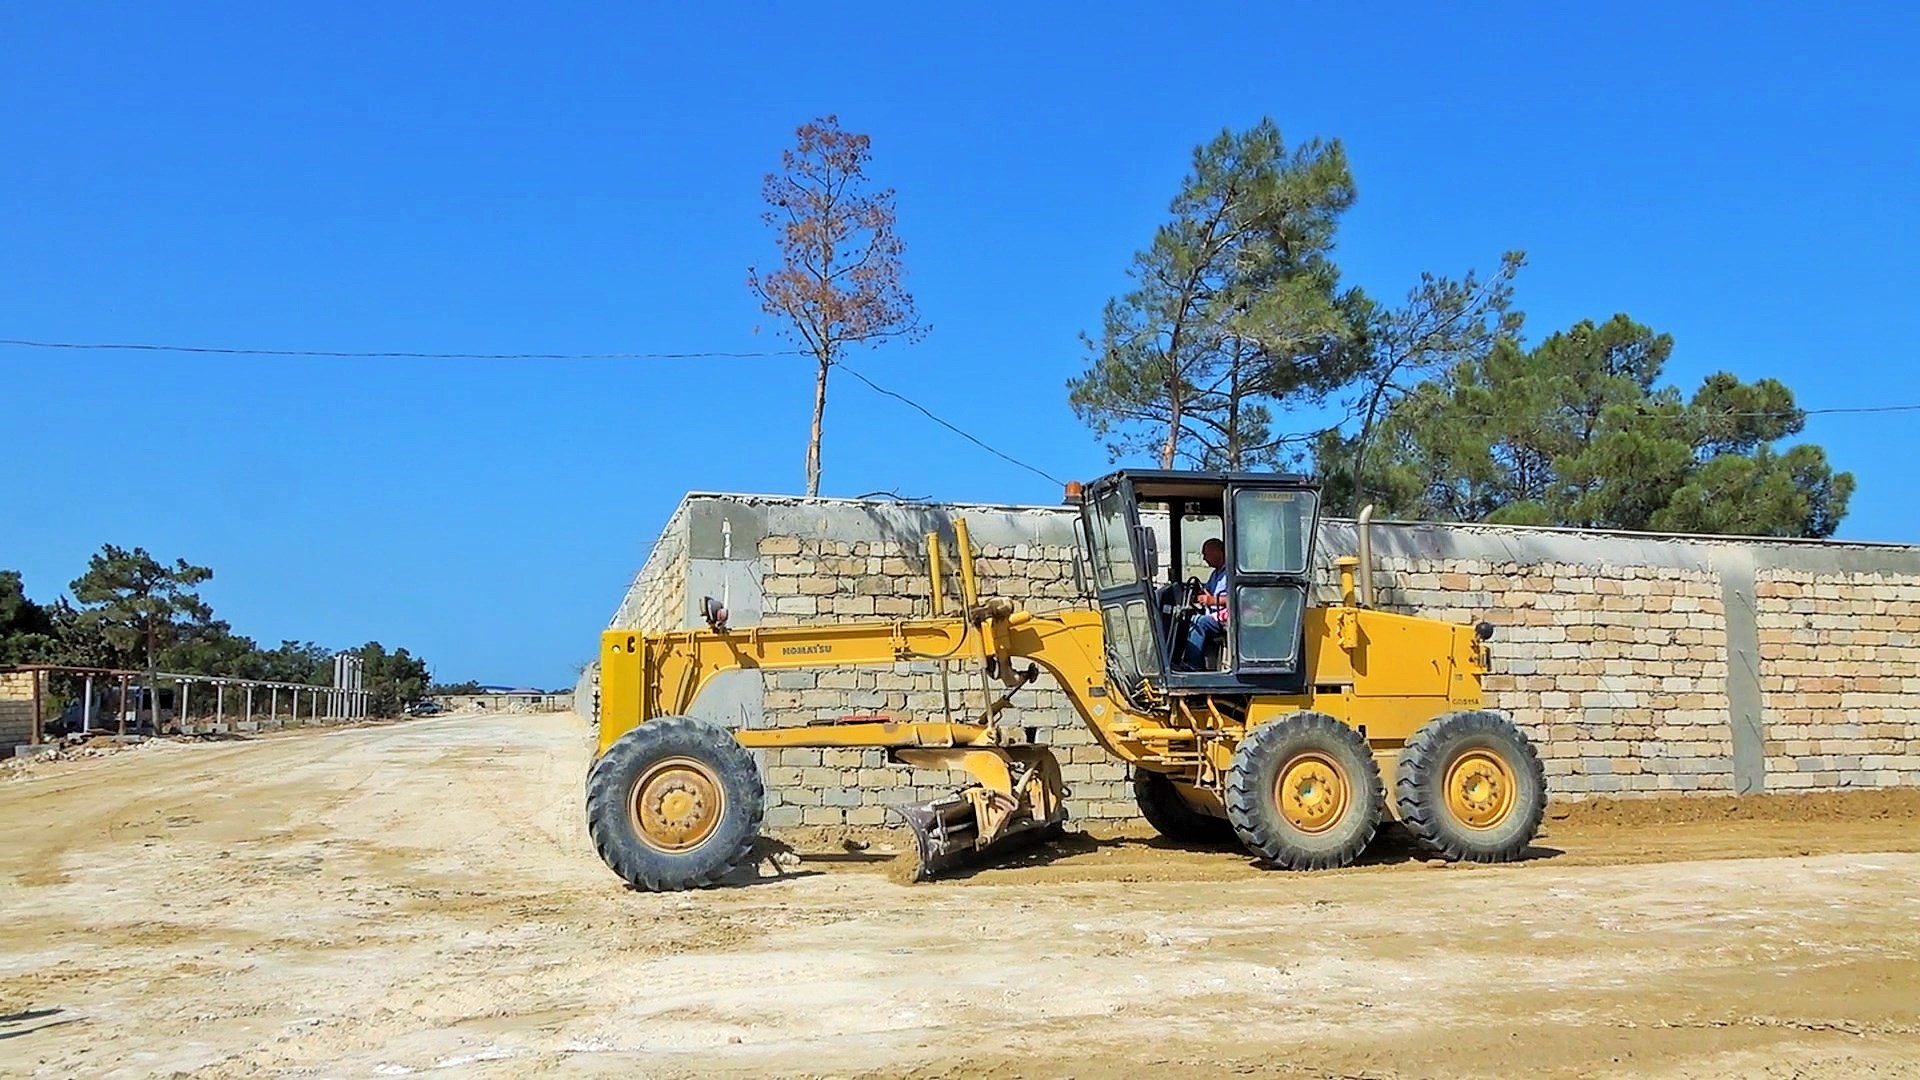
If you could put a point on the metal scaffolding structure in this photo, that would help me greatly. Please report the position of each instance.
(348, 699)
(113, 698)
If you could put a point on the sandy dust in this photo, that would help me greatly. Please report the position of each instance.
(421, 898)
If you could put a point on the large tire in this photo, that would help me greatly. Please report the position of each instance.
(1471, 787)
(1171, 816)
(675, 803)
(1304, 793)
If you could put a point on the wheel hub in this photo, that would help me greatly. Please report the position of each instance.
(1311, 792)
(676, 804)
(1480, 789)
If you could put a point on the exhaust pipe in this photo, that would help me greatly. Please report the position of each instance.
(1366, 556)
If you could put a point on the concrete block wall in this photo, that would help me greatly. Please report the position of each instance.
(659, 590)
(1617, 673)
(1839, 677)
(656, 600)
(1640, 664)
(16, 709)
(811, 575)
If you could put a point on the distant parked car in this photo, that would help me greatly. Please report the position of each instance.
(425, 708)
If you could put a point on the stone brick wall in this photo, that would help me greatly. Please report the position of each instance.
(659, 590)
(1618, 673)
(16, 709)
(811, 577)
(656, 600)
(1840, 676)
(1640, 664)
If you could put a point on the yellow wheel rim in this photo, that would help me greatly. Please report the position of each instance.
(1312, 792)
(676, 804)
(1480, 789)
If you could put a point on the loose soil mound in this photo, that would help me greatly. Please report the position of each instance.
(1896, 804)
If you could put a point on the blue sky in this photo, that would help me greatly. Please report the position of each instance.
(479, 178)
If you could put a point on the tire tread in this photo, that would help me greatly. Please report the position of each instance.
(1420, 801)
(606, 804)
(1245, 798)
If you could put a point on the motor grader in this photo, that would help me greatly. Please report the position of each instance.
(1277, 734)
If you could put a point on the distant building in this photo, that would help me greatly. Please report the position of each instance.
(501, 698)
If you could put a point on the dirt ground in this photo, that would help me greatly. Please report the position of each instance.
(421, 898)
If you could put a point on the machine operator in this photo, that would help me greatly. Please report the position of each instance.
(1212, 620)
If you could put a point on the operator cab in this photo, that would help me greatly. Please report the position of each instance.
(1144, 532)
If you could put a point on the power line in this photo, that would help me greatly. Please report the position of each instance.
(1695, 417)
(922, 410)
(1828, 412)
(332, 355)
(385, 355)
(877, 388)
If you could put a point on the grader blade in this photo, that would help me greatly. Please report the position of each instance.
(1023, 803)
(946, 834)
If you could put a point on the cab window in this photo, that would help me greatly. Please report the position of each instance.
(1112, 546)
(1266, 623)
(1272, 531)
(1130, 638)
(1196, 528)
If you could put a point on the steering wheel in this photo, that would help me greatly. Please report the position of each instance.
(1178, 597)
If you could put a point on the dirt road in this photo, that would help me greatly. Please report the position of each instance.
(420, 898)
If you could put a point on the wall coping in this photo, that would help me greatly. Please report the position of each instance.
(1475, 527)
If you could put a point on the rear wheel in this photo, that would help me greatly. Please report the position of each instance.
(1304, 793)
(1471, 787)
(1171, 816)
(674, 804)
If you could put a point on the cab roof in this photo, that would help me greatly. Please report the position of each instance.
(1198, 484)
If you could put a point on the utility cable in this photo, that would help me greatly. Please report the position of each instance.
(1842, 410)
(332, 355)
(924, 411)
(383, 355)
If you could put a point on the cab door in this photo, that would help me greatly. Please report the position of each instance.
(1121, 554)
(1271, 564)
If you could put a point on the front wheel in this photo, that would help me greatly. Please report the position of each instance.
(1471, 787)
(1304, 793)
(675, 803)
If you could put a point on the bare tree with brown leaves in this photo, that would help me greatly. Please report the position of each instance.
(839, 279)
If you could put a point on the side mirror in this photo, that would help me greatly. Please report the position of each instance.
(714, 612)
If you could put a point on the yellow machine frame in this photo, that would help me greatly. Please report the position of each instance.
(1423, 668)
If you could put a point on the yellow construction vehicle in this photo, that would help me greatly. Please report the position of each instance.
(1273, 732)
